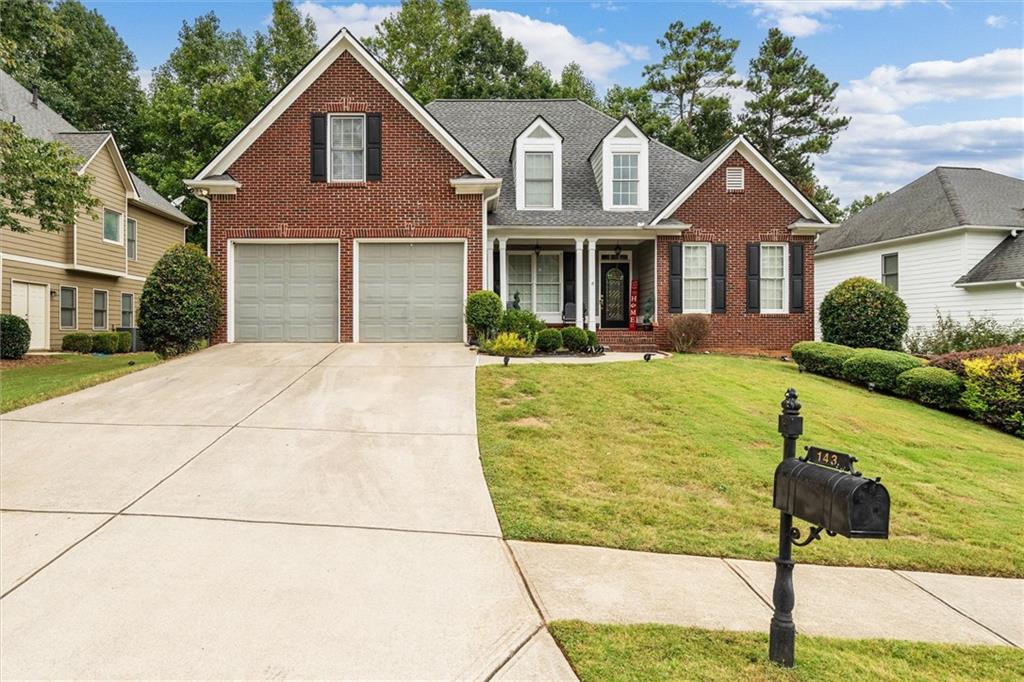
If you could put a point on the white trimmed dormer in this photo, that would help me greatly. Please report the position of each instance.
(621, 168)
(537, 167)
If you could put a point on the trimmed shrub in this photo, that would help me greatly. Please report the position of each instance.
(181, 303)
(549, 340)
(77, 343)
(15, 337)
(949, 336)
(124, 342)
(931, 386)
(592, 341)
(105, 342)
(821, 357)
(510, 344)
(483, 313)
(863, 313)
(878, 367)
(521, 322)
(954, 362)
(994, 391)
(575, 339)
(686, 331)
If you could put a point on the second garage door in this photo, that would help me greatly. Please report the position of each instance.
(411, 291)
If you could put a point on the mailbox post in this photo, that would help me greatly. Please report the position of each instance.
(782, 633)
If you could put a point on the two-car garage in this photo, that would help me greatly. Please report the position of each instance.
(403, 291)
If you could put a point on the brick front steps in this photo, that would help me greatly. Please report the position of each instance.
(625, 341)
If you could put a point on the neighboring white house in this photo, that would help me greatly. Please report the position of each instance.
(949, 243)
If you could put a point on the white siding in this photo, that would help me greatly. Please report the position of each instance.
(927, 270)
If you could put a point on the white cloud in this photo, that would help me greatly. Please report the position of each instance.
(802, 18)
(995, 21)
(360, 19)
(145, 77)
(887, 89)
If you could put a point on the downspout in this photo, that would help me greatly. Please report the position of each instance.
(204, 196)
(483, 244)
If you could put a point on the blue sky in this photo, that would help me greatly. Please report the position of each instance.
(926, 83)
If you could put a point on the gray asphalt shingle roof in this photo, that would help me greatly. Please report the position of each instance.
(488, 129)
(42, 122)
(1003, 263)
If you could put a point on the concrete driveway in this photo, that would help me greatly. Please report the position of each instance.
(254, 511)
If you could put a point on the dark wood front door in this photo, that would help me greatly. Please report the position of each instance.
(614, 295)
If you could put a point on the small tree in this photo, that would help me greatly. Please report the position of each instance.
(863, 313)
(483, 313)
(180, 301)
(15, 337)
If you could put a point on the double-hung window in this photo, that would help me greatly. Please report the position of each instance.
(127, 310)
(348, 148)
(773, 278)
(132, 239)
(68, 308)
(625, 179)
(696, 278)
(891, 271)
(537, 279)
(99, 309)
(540, 179)
(111, 226)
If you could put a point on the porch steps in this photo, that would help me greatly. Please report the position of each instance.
(625, 341)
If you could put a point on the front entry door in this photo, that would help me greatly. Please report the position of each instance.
(30, 302)
(614, 295)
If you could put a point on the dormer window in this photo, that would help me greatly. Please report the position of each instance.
(620, 168)
(625, 179)
(537, 156)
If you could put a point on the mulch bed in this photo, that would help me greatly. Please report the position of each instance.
(31, 361)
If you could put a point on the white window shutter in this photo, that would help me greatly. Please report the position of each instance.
(734, 179)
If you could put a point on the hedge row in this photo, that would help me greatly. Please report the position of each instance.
(101, 342)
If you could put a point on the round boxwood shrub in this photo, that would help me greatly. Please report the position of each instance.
(105, 342)
(483, 313)
(180, 301)
(15, 337)
(522, 323)
(77, 343)
(932, 386)
(124, 342)
(879, 367)
(821, 357)
(549, 340)
(592, 341)
(863, 313)
(575, 339)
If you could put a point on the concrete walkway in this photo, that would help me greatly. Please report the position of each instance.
(616, 586)
(254, 511)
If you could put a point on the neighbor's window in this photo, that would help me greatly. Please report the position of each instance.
(540, 179)
(891, 271)
(625, 179)
(132, 238)
(68, 308)
(537, 278)
(127, 310)
(696, 289)
(773, 278)
(111, 225)
(99, 309)
(347, 148)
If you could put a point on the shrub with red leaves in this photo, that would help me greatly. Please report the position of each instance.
(954, 362)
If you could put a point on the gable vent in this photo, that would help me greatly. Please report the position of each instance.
(734, 179)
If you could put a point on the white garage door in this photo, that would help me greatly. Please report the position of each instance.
(286, 292)
(411, 291)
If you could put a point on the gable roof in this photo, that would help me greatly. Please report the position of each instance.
(41, 122)
(1005, 263)
(342, 42)
(943, 198)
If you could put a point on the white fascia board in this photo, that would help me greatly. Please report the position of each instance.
(1019, 283)
(809, 229)
(122, 170)
(916, 237)
(793, 195)
(342, 42)
(213, 186)
(584, 231)
(475, 185)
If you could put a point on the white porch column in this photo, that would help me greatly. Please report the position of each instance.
(489, 266)
(579, 283)
(592, 284)
(503, 269)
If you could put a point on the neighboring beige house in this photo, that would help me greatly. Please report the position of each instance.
(88, 277)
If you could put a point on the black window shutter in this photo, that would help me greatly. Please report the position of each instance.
(718, 278)
(497, 272)
(675, 278)
(373, 159)
(796, 278)
(753, 278)
(318, 147)
(569, 276)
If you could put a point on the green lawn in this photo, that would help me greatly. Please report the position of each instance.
(665, 652)
(677, 456)
(38, 379)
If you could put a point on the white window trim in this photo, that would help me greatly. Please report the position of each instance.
(554, 317)
(129, 256)
(896, 274)
(132, 296)
(785, 277)
(106, 312)
(120, 227)
(707, 278)
(330, 148)
(524, 143)
(60, 308)
(616, 145)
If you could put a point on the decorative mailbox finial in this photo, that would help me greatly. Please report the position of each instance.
(791, 405)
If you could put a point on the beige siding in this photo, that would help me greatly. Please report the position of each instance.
(36, 243)
(109, 189)
(156, 234)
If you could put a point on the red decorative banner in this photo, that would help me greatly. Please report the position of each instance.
(634, 290)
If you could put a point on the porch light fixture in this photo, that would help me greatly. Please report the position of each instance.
(618, 250)
(536, 248)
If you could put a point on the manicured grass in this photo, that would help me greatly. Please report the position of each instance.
(35, 380)
(678, 456)
(665, 652)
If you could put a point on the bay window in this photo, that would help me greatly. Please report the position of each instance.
(773, 278)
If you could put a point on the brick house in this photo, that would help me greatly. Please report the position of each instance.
(346, 211)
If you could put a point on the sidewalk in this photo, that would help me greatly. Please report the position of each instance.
(616, 586)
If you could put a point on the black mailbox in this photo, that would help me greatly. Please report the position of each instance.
(839, 502)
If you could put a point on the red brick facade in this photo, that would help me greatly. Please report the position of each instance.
(757, 214)
(412, 200)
